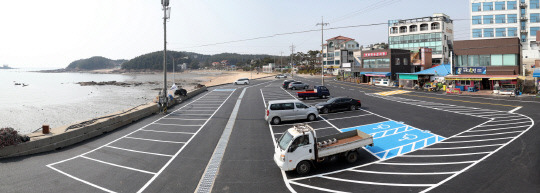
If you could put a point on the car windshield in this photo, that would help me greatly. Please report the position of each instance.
(284, 140)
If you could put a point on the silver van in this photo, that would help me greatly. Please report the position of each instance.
(287, 110)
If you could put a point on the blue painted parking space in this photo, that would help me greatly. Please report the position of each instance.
(391, 138)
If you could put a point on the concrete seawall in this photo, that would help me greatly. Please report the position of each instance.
(60, 137)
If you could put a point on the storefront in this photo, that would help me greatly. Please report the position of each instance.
(432, 75)
(380, 67)
(487, 64)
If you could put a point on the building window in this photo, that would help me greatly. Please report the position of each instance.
(403, 29)
(324, 55)
(500, 18)
(535, 4)
(523, 12)
(511, 5)
(523, 37)
(512, 18)
(476, 7)
(435, 26)
(423, 27)
(394, 30)
(336, 62)
(488, 32)
(500, 32)
(488, 19)
(487, 6)
(476, 20)
(500, 5)
(413, 28)
(405, 61)
(512, 32)
(474, 60)
(477, 33)
(535, 17)
(533, 31)
(336, 54)
(523, 25)
(510, 60)
(485, 60)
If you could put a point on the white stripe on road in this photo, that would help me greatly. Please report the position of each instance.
(162, 141)
(116, 165)
(143, 152)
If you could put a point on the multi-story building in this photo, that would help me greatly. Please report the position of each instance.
(336, 51)
(435, 32)
(512, 18)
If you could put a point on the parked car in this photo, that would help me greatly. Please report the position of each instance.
(339, 104)
(281, 76)
(287, 110)
(508, 89)
(298, 85)
(242, 81)
(317, 91)
(287, 82)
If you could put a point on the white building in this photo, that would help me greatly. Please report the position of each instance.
(336, 51)
(435, 32)
(500, 19)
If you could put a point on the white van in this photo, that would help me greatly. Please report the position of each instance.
(287, 110)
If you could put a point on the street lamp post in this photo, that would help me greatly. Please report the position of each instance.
(166, 14)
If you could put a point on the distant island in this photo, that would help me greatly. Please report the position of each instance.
(5, 66)
(95, 63)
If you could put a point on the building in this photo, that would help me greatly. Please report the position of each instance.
(435, 32)
(336, 51)
(499, 19)
(485, 64)
(380, 67)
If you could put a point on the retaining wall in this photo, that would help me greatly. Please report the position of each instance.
(59, 137)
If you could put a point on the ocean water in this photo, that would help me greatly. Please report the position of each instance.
(55, 98)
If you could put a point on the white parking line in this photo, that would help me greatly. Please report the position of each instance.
(168, 131)
(497, 129)
(143, 152)
(162, 141)
(80, 180)
(502, 124)
(402, 173)
(489, 134)
(177, 125)
(445, 155)
(426, 163)
(460, 147)
(116, 165)
(475, 140)
(186, 119)
(377, 183)
(313, 187)
(192, 114)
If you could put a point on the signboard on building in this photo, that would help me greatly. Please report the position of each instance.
(375, 54)
(470, 70)
(346, 65)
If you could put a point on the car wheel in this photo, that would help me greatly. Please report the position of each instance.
(235, 83)
(305, 87)
(324, 110)
(358, 107)
(293, 88)
(352, 157)
(311, 117)
(303, 167)
(276, 120)
(245, 83)
(352, 108)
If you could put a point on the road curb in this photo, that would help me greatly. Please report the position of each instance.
(60, 137)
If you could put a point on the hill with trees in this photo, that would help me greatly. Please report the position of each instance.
(94, 63)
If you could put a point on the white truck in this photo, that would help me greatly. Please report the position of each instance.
(298, 148)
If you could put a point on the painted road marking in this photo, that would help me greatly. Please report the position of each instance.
(391, 138)
(387, 93)
(225, 90)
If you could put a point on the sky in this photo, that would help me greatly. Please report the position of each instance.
(53, 33)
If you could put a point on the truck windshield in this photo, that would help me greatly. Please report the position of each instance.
(284, 140)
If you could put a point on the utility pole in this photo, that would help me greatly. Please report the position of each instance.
(292, 52)
(166, 15)
(281, 63)
(322, 24)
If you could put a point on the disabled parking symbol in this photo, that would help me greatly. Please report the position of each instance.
(382, 126)
(408, 137)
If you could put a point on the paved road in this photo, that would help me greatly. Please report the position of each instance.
(424, 142)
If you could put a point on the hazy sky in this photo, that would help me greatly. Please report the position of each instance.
(53, 33)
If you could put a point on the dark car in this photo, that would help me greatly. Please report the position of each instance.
(287, 82)
(339, 104)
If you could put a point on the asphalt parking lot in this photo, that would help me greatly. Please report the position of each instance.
(423, 142)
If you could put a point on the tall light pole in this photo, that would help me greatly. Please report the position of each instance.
(322, 24)
(292, 52)
(281, 63)
(166, 14)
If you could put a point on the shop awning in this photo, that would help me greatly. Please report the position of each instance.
(536, 73)
(376, 73)
(507, 78)
(408, 77)
(460, 78)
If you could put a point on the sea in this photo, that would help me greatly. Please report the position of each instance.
(55, 99)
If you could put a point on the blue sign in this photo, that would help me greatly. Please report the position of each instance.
(470, 70)
(391, 138)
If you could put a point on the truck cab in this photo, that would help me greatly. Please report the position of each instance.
(293, 147)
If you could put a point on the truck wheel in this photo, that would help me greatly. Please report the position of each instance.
(303, 167)
(352, 108)
(311, 117)
(276, 120)
(352, 157)
(324, 110)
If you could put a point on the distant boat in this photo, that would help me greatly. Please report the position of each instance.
(24, 85)
(5, 66)
(17, 83)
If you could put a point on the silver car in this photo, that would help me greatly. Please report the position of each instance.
(298, 85)
(286, 110)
